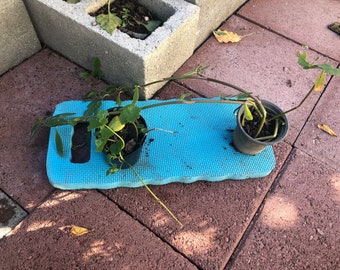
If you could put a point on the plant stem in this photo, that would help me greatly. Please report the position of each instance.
(191, 102)
(154, 195)
(271, 136)
(190, 75)
(294, 108)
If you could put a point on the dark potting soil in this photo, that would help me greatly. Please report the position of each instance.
(251, 127)
(133, 15)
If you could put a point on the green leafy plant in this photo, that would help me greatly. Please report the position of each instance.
(96, 72)
(107, 124)
(111, 21)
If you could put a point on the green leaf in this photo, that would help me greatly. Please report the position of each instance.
(118, 99)
(184, 96)
(37, 124)
(59, 143)
(135, 95)
(103, 136)
(302, 60)
(98, 121)
(115, 124)
(100, 143)
(330, 69)
(84, 75)
(152, 25)
(92, 108)
(247, 113)
(109, 22)
(97, 72)
(114, 168)
(58, 120)
(116, 148)
(130, 113)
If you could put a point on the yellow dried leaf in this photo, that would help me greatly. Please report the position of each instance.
(78, 231)
(327, 129)
(320, 81)
(224, 36)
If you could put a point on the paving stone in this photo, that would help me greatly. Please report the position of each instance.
(302, 21)
(115, 240)
(317, 143)
(28, 91)
(215, 214)
(298, 226)
(11, 214)
(263, 63)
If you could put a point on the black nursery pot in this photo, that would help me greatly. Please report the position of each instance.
(248, 145)
(131, 156)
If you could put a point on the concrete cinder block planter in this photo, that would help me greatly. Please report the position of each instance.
(67, 28)
(18, 39)
(212, 14)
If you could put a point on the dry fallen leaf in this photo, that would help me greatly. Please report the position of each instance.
(224, 36)
(327, 129)
(78, 231)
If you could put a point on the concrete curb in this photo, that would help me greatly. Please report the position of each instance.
(18, 38)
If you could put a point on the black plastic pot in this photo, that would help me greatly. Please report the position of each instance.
(250, 146)
(132, 156)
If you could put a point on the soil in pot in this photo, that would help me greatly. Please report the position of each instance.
(137, 20)
(251, 127)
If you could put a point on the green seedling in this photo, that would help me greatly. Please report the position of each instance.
(96, 70)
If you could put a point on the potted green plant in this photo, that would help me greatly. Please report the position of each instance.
(260, 122)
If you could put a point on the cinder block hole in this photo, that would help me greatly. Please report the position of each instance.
(138, 18)
(81, 144)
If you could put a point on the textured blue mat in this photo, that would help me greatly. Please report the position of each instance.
(199, 150)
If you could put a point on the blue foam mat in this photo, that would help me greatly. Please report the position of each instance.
(197, 148)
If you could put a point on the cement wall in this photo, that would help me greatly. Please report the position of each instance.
(18, 39)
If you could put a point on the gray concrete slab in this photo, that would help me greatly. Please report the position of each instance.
(263, 63)
(115, 240)
(301, 21)
(298, 226)
(317, 143)
(18, 38)
(11, 214)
